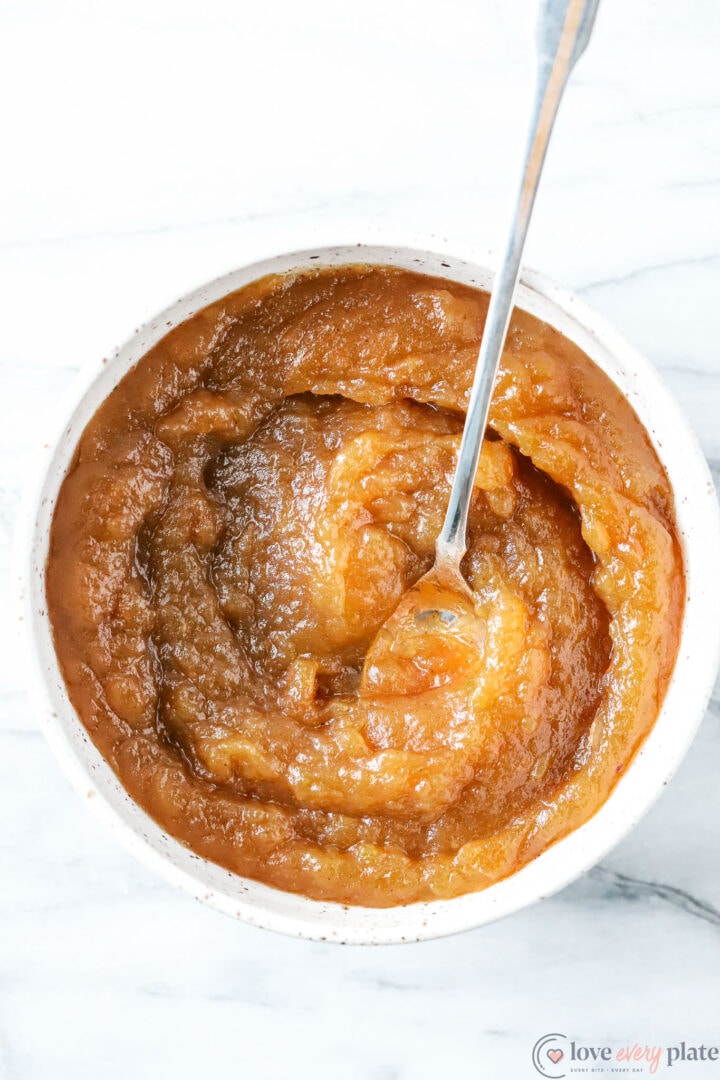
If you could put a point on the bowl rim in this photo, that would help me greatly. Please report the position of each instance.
(651, 767)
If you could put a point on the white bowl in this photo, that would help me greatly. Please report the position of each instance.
(699, 529)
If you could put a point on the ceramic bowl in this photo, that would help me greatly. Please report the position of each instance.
(699, 531)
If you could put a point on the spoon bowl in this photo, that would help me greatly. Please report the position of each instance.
(435, 635)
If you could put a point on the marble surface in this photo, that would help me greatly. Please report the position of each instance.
(151, 145)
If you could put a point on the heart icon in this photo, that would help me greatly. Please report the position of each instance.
(555, 1056)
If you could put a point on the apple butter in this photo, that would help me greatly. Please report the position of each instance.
(249, 505)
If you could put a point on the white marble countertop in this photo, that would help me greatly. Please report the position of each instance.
(150, 145)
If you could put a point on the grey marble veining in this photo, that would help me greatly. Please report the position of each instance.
(147, 148)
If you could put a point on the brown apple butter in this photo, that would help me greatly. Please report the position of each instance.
(248, 506)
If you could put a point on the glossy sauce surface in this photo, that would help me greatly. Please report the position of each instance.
(247, 508)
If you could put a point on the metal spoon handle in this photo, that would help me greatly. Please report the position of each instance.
(563, 31)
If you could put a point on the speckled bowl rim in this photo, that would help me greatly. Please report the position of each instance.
(699, 528)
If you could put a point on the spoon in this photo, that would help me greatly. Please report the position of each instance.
(436, 630)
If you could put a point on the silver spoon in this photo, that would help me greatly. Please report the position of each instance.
(440, 604)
